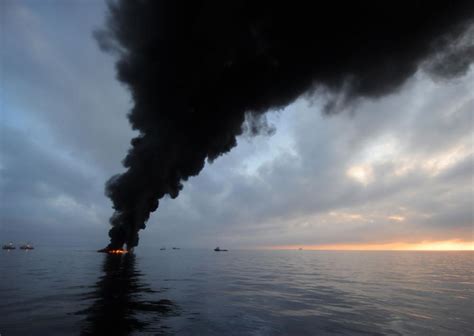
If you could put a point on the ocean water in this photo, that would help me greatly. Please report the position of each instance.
(76, 291)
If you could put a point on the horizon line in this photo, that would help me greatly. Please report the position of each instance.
(425, 245)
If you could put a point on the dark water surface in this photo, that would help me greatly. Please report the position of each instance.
(73, 291)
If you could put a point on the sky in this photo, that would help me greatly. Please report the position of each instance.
(396, 172)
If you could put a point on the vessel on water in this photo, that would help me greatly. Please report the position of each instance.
(27, 246)
(9, 246)
(218, 249)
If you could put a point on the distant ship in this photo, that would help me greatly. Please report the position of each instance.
(175, 248)
(27, 246)
(163, 248)
(218, 249)
(9, 246)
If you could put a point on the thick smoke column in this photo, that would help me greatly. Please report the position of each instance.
(198, 69)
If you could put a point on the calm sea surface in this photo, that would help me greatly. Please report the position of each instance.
(73, 291)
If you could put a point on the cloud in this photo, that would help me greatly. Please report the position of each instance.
(55, 93)
(414, 147)
(45, 191)
(58, 85)
(388, 177)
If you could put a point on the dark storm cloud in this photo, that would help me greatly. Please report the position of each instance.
(61, 86)
(60, 112)
(42, 191)
(196, 69)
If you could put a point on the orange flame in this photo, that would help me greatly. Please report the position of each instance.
(119, 251)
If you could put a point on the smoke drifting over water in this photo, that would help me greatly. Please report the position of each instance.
(197, 70)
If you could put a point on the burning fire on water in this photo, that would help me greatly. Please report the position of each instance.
(113, 251)
(117, 251)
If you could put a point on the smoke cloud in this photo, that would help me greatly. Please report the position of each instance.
(202, 72)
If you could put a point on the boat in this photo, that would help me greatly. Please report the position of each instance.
(9, 246)
(218, 249)
(163, 248)
(27, 246)
(175, 248)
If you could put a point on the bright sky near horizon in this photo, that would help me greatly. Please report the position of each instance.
(394, 173)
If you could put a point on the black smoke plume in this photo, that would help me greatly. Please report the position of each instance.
(197, 70)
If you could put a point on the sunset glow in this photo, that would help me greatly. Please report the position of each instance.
(362, 174)
(446, 245)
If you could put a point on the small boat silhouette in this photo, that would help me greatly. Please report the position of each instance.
(218, 249)
(9, 246)
(27, 246)
(163, 248)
